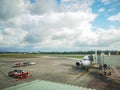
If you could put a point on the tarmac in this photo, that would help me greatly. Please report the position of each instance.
(61, 70)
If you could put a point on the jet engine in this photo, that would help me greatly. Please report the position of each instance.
(78, 63)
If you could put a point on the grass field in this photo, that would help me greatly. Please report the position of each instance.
(72, 56)
(29, 55)
(20, 55)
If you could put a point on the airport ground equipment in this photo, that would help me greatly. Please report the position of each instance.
(19, 64)
(106, 69)
(18, 74)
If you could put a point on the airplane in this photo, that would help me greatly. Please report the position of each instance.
(85, 62)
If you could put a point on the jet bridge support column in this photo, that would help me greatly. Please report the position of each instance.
(102, 61)
(96, 62)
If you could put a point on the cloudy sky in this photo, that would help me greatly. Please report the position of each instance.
(59, 25)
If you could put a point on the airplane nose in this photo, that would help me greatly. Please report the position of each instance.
(86, 63)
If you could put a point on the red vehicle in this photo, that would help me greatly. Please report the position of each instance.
(18, 74)
(18, 64)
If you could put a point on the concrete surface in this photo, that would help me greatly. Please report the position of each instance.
(61, 70)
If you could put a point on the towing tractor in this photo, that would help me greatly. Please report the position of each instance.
(18, 74)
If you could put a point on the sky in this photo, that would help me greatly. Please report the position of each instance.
(59, 25)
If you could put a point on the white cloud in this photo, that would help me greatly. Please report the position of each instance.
(108, 37)
(42, 6)
(72, 30)
(75, 5)
(115, 17)
(101, 10)
(10, 9)
(59, 26)
(106, 1)
(11, 37)
(43, 25)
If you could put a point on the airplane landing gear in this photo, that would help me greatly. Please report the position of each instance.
(87, 70)
(106, 69)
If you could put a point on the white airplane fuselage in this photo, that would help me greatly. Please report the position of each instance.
(85, 62)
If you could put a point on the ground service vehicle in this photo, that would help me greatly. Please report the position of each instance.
(17, 64)
(18, 74)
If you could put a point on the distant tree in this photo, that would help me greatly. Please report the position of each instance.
(107, 52)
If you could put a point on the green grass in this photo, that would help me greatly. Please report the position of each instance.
(70, 55)
(28, 55)
(19, 55)
(75, 56)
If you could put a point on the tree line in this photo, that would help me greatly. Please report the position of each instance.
(112, 52)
